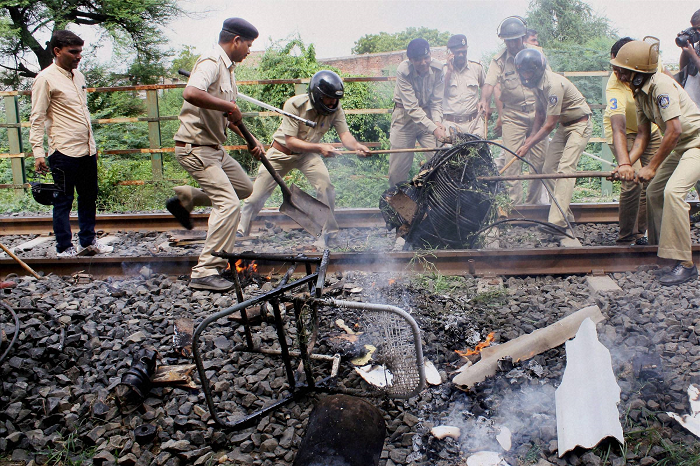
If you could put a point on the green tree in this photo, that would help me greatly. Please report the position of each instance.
(131, 24)
(385, 42)
(566, 21)
(185, 60)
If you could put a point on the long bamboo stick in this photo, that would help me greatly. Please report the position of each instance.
(546, 176)
(20, 261)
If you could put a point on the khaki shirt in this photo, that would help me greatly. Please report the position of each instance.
(661, 99)
(301, 105)
(557, 96)
(213, 74)
(502, 71)
(59, 104)
(421, 96)
(462, 90)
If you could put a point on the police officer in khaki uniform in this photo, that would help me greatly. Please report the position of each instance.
(296, 145)
(675, 167)
(463, 79)
(558, 101)
(518, 116)
(620, 128)
(417, 115)
(209, 108)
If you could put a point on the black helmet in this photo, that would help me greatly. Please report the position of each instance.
(513, 27)
(325, 83)
(44, 193)
(530, 60)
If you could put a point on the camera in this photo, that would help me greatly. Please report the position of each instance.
(689, 36)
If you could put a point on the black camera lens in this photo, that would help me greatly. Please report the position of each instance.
(682, 40)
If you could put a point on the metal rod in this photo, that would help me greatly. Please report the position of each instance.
(279, 326)
(301, 336)
(547, 176)
(244, 312)
(242, 96)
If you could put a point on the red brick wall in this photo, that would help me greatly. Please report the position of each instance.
(375, 64)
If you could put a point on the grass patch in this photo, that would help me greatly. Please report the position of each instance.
(68, 452)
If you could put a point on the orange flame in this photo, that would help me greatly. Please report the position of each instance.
(392, 281)
(477, 349)
(241, 268)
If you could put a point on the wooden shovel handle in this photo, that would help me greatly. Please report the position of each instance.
(20, 261)
(250, 140)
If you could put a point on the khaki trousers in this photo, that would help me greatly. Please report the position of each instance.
(517, 126)
(564, 151)
(633, 196)
(476, 126)
(669, 224)
(311, 165)
(404, 134)
(223, 183)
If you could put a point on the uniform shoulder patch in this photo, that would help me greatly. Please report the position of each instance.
(663, 100)
(553, 99)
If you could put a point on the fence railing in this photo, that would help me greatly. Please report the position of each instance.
(153, 119)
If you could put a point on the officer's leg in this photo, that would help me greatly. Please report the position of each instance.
(514, 134)
(655, 196)
(263, 187)
(642, 216)
(402, 136)
(312, 166)
(577, 136)
(536, 156)
(674, 242)
(630, 193)
(426, 139)
(238, 177)
(191, 197)
(204, 164)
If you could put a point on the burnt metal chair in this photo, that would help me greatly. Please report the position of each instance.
(396, 333)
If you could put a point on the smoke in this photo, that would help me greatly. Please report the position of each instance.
(528, 412)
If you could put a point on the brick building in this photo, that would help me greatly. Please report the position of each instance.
(375, 64)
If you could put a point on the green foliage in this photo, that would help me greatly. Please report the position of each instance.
(185, 60)
(133, 25)
(385, 42)
(566, 21)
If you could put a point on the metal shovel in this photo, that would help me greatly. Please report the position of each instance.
(310, 213)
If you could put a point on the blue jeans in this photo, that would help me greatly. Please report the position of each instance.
(79, 175)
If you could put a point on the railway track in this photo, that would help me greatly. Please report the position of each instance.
(584, 213)
(479, 262)
(485, 262)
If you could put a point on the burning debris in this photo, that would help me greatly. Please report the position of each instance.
(441, 432)
(445, 206)
(524, 347)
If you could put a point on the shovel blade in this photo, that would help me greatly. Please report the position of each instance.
(310, 213)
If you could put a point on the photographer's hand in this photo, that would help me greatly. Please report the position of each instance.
(689, 51)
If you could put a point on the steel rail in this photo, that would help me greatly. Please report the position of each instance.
(347, 218)
(480, 262)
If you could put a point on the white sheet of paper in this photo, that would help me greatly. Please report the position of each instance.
(588, 396)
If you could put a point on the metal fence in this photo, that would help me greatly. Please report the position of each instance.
(153, 119)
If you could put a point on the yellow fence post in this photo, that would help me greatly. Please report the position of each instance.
(154, 133)
(14, 136)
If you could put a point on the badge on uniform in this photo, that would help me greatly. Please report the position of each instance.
(663, 100)
(553, 100)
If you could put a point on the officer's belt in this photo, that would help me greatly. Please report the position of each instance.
(426, 110)
(276, 145)
(183, 144)
(521, 107)
(461, 118)
(577, 120)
